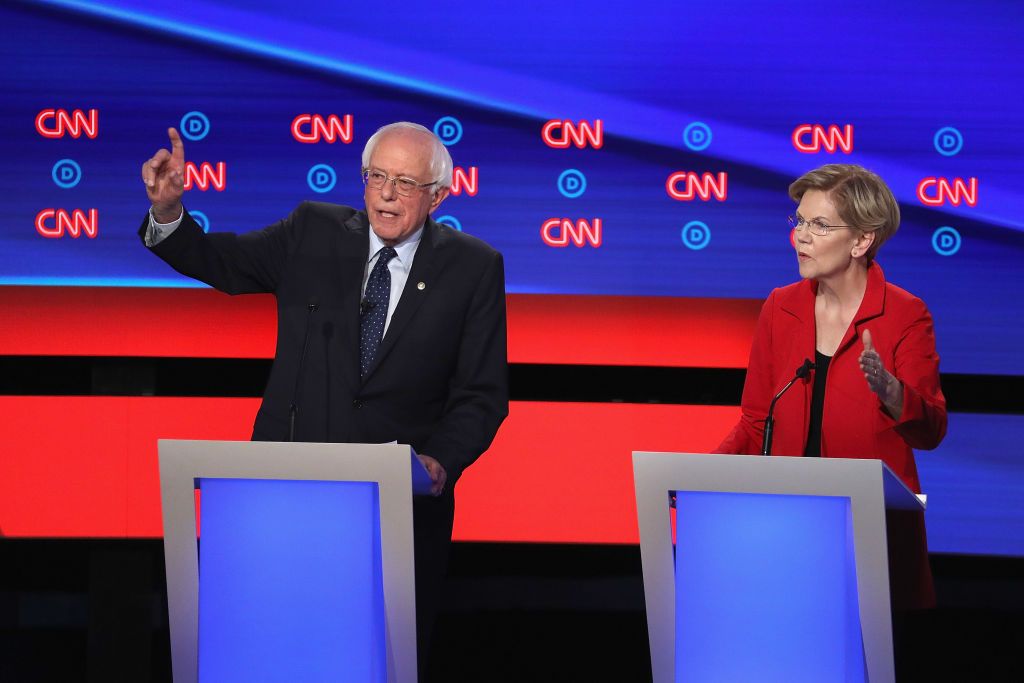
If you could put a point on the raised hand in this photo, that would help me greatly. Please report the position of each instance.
(881, 381)
(164, 176)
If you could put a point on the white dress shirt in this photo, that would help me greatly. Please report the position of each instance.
(399, 266)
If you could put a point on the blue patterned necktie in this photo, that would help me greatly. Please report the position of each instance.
(374, 309)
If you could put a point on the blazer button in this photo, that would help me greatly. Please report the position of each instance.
(356, 403)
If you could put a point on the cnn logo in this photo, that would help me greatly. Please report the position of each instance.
(934, 191)
(560, 232)
(206, 175)
(811, 139)
(685, 186)
(465, 181)
(56, 123)
(55, 223)
(313, 128)
(560, 133)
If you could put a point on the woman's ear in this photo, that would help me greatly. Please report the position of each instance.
(863, 243)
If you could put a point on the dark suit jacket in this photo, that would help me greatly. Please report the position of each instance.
(440, 381)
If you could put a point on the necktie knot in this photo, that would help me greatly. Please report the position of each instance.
(386, 254)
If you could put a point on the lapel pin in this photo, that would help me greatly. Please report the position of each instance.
(421, 286)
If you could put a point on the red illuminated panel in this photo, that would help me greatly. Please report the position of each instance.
(134, 321)
(563, 472)
(558, 329)
(558, 472)
(623, 330)
(87, 466)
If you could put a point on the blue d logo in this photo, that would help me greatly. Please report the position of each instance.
(697, 136)
(66, 173)
(696, 235)
(195, 125)
(572, 183)
(449, 129)
(946, 241)
(450, 221)
(200, 218)
(321, 178)
(948, 141)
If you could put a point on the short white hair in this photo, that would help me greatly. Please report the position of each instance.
(440, 161)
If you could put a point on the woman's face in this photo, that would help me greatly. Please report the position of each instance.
(823, 256)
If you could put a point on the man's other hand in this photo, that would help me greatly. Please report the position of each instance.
(437, 474)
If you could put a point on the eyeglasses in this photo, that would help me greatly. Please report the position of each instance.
(374, 179)
(816, 226)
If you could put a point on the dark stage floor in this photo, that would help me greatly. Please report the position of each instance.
(94, 610)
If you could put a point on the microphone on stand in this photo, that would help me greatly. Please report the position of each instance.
(769, 422)
(311, 307)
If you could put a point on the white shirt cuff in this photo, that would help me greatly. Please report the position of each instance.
(158, 232)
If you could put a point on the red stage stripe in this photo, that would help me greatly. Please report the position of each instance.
(87, 466)
(624, 330)
(558, 329)
(135, 321)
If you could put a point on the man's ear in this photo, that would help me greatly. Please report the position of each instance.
(438, 197)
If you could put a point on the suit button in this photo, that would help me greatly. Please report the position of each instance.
(356, 403)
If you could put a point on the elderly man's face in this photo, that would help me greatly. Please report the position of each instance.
(404, 153)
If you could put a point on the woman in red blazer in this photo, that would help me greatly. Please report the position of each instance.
(875, 389)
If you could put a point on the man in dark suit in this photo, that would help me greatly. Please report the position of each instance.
(391, 327)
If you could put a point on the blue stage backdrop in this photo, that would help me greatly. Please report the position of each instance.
(603, 147)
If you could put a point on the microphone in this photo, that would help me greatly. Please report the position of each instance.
(802, 372)
(365, 306)
(311, 308)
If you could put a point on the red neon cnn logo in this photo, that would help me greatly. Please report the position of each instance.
(205, 175)
(560, 133)
(312, 128)
(54, 223)
(463, 181)
(685, 186)
(56, 123)
(934, 191)
(559, 232)
(811, 139)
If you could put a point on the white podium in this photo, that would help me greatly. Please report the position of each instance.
(779, 571)
(304, 570)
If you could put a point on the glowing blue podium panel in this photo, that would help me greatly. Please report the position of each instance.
(779, 570)
(290, 584)
(766, 589)
(305, 569)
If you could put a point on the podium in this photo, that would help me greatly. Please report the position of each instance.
(303, 569)
(779, 571)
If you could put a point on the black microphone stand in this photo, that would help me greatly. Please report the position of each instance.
(293, 409)
(769, 422)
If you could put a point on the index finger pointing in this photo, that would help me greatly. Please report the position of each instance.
(177, 147)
